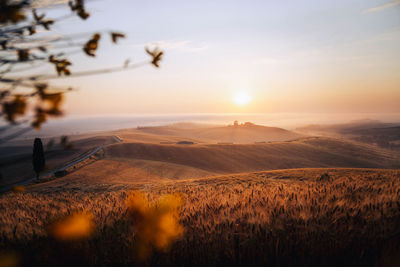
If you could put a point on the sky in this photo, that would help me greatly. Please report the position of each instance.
(269, 56)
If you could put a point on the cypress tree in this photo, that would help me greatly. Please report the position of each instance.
(38, 159)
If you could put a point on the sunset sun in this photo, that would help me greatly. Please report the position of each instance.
(241, 98)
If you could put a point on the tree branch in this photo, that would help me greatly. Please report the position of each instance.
(82, 73)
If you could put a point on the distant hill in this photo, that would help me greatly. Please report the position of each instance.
(228, 134)
(192, 151)
(346, 127)
(386, 135)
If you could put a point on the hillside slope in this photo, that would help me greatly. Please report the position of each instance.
(235, 134)
(303, 153)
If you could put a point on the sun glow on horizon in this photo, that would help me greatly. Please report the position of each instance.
(241, 98)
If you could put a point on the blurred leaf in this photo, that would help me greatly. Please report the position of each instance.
(61, 65)
(32, 30)
(36, 16)
(46, 23)
(79, 8)
(4, 93)
(40, 118)
(23, 54)
(14, 108)
(12, 11)
(42, 48)
(91, 46)
(39, 20)
(116, 35)
(156, 55)
(3, 44)
(40, 87)
(53, 100)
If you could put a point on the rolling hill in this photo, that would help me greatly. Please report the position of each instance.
(386, 135)
(135, 163)
(249, 133)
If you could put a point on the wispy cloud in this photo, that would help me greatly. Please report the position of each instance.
(383, 6)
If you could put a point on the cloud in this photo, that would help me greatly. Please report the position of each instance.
(382, 7)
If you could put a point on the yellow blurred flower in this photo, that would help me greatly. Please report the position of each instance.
(156, 225)
(76, 226)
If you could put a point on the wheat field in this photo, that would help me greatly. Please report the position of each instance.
(299, 217)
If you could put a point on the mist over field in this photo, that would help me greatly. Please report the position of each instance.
(79, 124)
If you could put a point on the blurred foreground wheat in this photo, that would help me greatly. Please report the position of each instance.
(272, 218)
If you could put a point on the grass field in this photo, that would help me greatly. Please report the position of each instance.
(276, 218)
